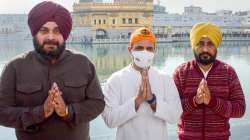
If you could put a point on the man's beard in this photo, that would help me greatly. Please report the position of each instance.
(50, 55)
(205, 58)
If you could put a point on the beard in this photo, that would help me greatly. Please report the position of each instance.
(49, 55)
(205, 58)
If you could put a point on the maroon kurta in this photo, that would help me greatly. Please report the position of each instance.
(208, 122)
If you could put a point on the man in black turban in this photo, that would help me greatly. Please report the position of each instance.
(50, 93)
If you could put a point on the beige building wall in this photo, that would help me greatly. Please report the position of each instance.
(110, 16)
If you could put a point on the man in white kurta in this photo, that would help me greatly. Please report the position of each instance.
(140, 100)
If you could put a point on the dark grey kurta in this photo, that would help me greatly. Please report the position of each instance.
(24, 86)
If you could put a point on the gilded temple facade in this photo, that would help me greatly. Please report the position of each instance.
(118, 18)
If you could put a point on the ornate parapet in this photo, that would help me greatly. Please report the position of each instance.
(113, 16)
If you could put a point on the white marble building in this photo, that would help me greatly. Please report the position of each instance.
(230, 22)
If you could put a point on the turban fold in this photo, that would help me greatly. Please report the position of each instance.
(205, 29)
(142, 34)
(50, 11)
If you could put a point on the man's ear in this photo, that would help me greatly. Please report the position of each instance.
(155, 50)
(129, 48)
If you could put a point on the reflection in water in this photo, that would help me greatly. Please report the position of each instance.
(110, 58)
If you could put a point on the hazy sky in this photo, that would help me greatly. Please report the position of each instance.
(173, 6)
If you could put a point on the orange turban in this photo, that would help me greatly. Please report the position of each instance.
(140, 34)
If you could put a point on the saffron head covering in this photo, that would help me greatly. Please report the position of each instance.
(140, 34)
(50, 11)
(205, 29)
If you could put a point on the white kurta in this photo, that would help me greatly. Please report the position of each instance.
(120, 92)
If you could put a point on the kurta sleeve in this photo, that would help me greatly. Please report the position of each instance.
(235, 105)
(115, 112)
(169, 107)
(92, 106)
(25, 118)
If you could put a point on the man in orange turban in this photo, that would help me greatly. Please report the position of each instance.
(209, 89)
(138, 97)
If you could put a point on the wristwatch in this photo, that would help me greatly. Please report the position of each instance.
(151, 101)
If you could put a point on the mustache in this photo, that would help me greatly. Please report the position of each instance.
(51, 42)
(205, 53)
